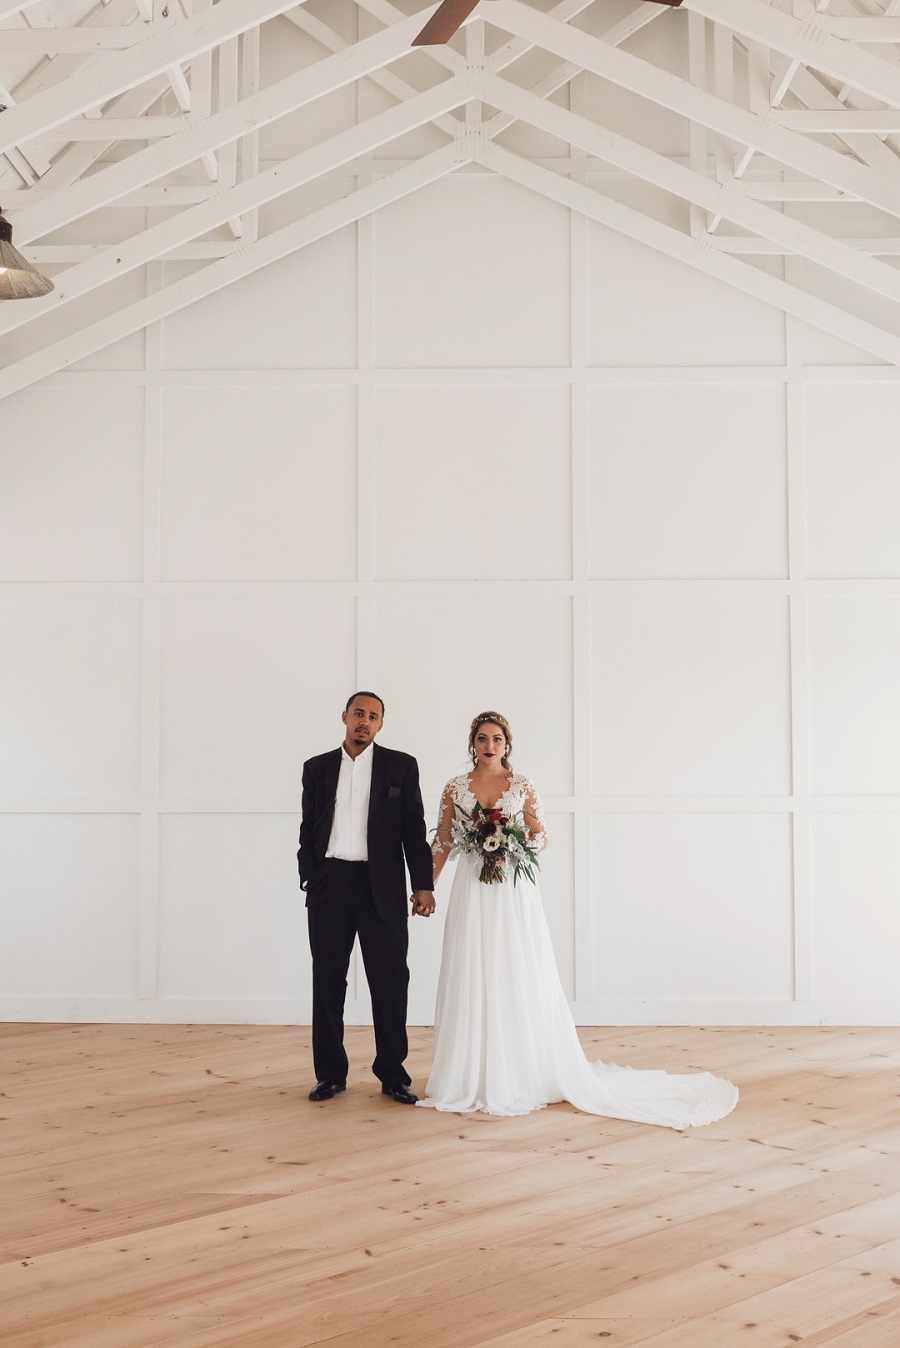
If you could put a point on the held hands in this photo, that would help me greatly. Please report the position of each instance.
(422, 901)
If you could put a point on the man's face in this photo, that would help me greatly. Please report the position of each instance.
(363, 720)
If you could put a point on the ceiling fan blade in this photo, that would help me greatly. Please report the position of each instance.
(673, 4)
(445, 21)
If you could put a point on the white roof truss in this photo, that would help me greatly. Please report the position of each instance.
(782, 109)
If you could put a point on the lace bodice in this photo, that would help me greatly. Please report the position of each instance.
(520, 797)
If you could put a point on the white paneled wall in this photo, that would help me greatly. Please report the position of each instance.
(472, 453)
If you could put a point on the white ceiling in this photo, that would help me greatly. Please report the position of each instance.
(753, 141)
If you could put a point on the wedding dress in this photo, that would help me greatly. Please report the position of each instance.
(504, 1038)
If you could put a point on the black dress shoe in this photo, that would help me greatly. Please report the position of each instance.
(402, 1094)
(324, 1090)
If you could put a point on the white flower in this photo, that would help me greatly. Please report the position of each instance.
(493, 842)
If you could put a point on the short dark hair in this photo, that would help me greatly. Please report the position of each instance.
(363, 693)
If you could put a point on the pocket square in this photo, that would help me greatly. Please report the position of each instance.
(393, 792)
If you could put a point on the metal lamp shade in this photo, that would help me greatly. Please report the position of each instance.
(18, 279)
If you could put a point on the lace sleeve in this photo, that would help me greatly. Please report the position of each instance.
(533, 811)
(443, 837)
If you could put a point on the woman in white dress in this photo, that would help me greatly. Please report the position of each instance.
(504, 1038)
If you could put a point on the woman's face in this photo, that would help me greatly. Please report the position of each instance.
(490, 745)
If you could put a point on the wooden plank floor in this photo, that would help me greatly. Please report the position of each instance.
(173, 1186)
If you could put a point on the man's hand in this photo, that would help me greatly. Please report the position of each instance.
(422, 901)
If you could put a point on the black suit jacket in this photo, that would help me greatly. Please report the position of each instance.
(396, 828)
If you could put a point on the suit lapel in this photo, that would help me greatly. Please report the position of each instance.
(376, 790)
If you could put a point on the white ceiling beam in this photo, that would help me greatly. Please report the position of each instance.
(702, 255)
(176, 194)
(10, 7)
(121, 71)
(809, 90)
(796, 190)
(867, 30)
(180, 87)
(54, 41)
(277, 100)
(751, 245)
(29, 164)
(19, 164)
(72, 163)
(760, 132)
(112, 16)
(846, 122)
(719, 199)
(69, 255)
(250, 257)
(230, 203)
(117, 128)
(806, 39)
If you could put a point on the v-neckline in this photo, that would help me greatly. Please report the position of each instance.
(509, 783)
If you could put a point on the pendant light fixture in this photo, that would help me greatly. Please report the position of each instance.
(18, 279)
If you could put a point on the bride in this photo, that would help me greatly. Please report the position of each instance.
(504, 1038)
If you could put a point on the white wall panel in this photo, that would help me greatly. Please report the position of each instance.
(688, 480)
(852, 479)
(297, 313)
(856, 918)
(854, 694)
(473, 483)
(71, 485)
(690, 696)
(243, 686)
(441, 661)
(821, 348)
(69, 925)
(70, 679)
(472, 271)
(232, 915)
(259, 483)
(473, 452)
(425, 940)
(556, 879)
(691, 906)
(647, 309)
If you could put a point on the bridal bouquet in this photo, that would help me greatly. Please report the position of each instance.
(494, 841)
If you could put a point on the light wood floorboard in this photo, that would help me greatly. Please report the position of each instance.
(172, 1187)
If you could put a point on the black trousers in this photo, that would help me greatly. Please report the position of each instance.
(344, 911)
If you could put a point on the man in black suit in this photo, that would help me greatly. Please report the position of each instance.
(362, 813)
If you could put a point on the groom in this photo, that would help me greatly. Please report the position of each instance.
(362, 813)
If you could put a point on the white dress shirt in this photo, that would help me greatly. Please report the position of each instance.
(349, 841)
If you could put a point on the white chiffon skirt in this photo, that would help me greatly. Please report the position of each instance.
(504, 1038)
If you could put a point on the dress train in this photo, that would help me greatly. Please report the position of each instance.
(504, 1038)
